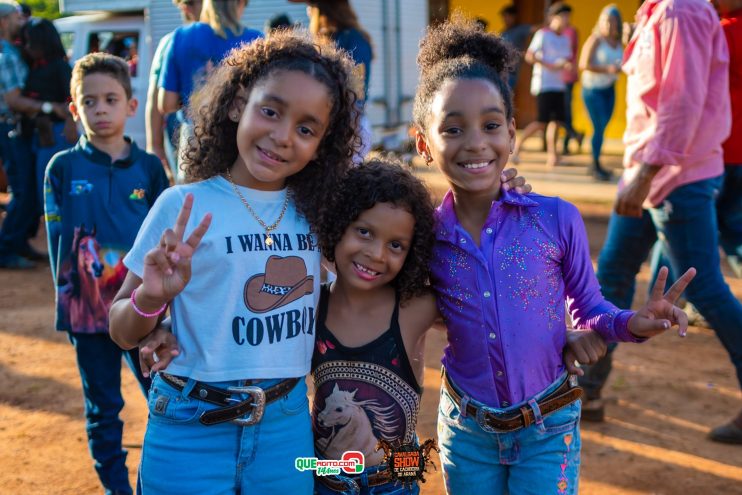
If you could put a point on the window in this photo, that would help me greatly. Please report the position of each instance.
(68, 42)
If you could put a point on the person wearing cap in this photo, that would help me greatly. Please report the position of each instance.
(550, 53)
(336, 21)
(677, 117)
(20, 222)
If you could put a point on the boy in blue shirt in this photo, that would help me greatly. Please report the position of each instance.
(96, 196)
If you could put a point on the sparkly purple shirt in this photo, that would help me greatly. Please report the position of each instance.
(504, 301)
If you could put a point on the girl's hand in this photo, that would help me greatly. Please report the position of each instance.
(167, 267)
(583, 346)
(511, 180)
(660, 312)
(157, 350)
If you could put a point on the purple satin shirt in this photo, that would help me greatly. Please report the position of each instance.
(504, 301)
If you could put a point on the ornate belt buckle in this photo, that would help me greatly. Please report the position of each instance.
(257, 395)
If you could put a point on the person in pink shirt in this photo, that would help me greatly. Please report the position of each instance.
(678, 116)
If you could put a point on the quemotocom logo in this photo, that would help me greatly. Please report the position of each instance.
(351, 462)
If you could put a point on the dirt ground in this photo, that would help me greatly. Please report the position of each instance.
(663, 398)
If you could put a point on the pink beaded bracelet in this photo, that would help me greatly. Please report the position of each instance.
(142, 313)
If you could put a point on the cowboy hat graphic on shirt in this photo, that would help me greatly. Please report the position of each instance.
(285, 280)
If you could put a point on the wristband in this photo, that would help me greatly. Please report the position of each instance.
(142, 313)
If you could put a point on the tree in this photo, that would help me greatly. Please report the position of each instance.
(48, 9)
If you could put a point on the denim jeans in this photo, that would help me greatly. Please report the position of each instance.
(99, 362)
(729, 210)
(685, 226)
(182, 456)
(599, 103)
(21, 220)
(542, 458)
(358, 485)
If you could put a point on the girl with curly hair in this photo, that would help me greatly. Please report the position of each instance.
(368, 359)
(503, 266)
(233, 255)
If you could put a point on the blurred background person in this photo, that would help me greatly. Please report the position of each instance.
(52, 130)
(550, 53)
(194, 51)
(278, 21)
(600, 63)
(569, 74)
(161, 131)
(517, 34)
(729, 201)
(336, 21)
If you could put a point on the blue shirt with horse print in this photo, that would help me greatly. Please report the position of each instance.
(93, 210)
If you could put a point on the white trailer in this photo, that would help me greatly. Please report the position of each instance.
(141, 23)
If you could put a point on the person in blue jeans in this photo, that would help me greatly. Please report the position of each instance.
(600, 63)
(673, 176)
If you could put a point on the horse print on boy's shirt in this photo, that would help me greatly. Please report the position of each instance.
(90, 277)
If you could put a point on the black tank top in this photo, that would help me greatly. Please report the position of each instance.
(362, 394)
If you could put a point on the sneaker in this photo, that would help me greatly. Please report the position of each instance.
(15, 262)
(727, 433)
(601, 174)
(695, 318)
(593, 410)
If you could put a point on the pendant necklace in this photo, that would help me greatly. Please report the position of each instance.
(268, 228)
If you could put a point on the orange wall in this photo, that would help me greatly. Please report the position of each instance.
(584, 16)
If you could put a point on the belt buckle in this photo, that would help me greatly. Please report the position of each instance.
(257, 394)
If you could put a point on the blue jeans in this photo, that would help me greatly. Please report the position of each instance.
(599, 103)
(182, 456)
(358, 485)
(542, 458)
(22, 219)
(686, 227)
(729, 210)
(99, 362)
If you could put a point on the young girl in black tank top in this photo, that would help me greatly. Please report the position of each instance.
(367, 365)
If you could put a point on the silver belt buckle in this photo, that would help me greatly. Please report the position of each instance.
(257, 394)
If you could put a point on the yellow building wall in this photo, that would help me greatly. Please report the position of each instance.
(584, 16)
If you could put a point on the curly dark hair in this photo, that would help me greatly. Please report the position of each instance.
(459, 49)
(383, 180)
(213, 147)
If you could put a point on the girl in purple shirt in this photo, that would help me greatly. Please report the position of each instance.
(503, 266)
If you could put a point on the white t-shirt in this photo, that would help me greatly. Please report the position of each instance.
(248, 311)
(551, 48)
(603, 56)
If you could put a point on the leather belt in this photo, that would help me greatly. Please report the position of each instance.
(567, 392)
(374, 479)
(235, 409)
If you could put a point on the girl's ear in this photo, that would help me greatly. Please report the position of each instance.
(511, 132)
(421, 144)
(238, 105)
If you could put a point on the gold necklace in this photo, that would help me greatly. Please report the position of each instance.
(268, 228)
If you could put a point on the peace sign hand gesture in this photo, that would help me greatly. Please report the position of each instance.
(660, 312)
(167, 267)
